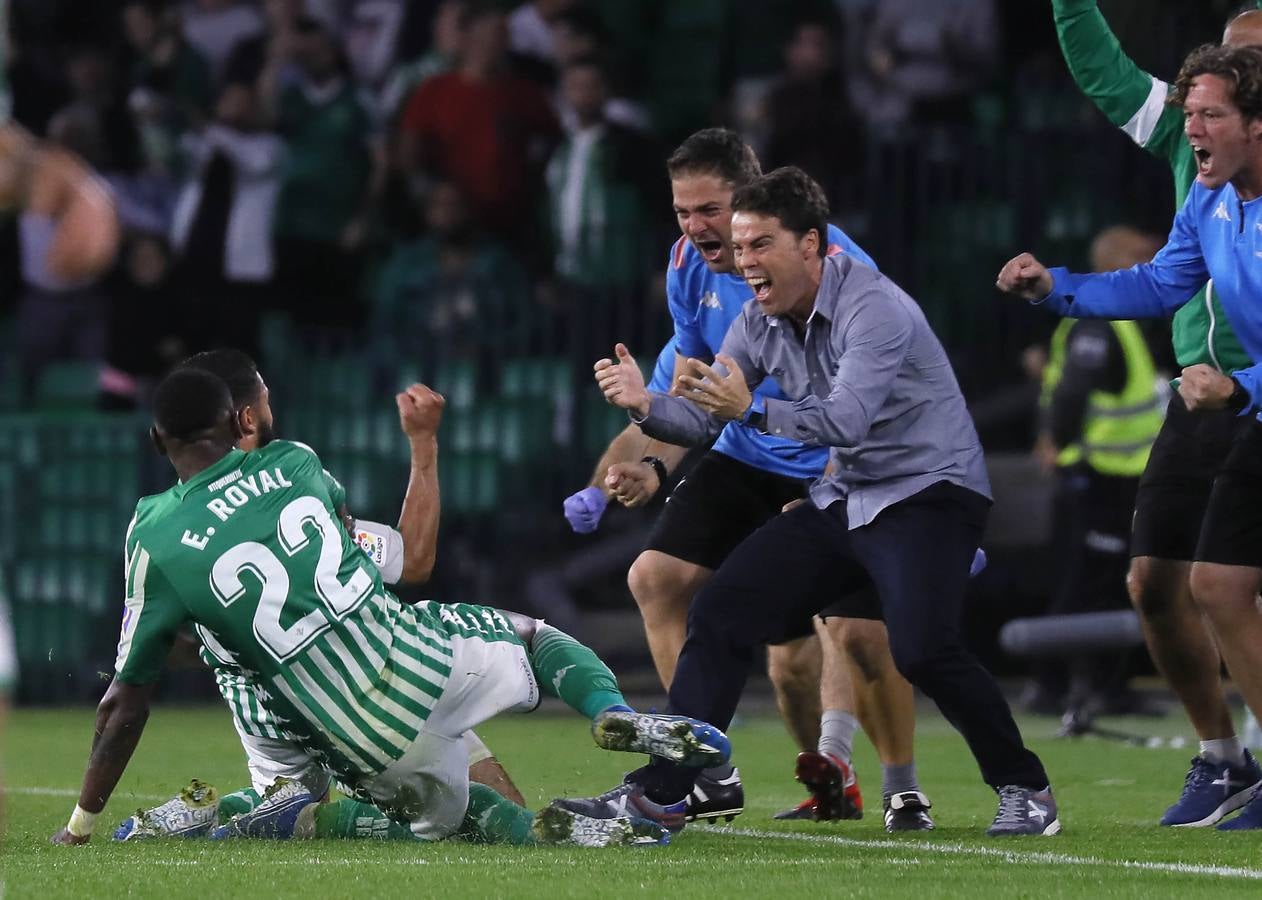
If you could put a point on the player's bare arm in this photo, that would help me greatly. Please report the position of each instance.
(420, 413)
(120, 720)
(53, 182)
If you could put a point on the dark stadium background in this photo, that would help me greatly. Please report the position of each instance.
(482, 310)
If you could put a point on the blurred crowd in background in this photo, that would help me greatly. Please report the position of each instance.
(474, 193)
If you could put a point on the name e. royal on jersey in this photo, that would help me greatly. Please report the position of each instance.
(234, 497)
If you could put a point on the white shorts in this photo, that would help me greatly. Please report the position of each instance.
(428, 787)
(8, 650)
(269, 759)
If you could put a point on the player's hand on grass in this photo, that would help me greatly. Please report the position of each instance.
(420, 410)
(70, 840)
(622, 382)
(1204, 387)
(1026, 277)
(632, 484)
(584, 509)
(725, 395)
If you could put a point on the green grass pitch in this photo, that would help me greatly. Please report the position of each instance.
(1110, 794)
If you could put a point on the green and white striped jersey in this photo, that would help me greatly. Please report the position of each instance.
(251, 552)
(250, 715)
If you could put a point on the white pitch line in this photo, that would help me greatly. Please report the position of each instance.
(70, 792)
(1040, 857)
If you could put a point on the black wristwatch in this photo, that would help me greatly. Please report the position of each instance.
(1239, 398)
(658, 466)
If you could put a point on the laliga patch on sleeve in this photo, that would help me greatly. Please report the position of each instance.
(373, 544)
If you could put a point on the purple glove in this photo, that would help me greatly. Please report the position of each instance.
(584, 509)
(979, 562)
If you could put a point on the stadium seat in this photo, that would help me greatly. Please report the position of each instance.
(68, 387)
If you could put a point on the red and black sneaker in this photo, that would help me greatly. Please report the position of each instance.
(834, 790)
(832, 784)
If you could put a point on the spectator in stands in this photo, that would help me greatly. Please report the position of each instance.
(372, 30)
(484, 128)
(222, 228)
(602, 186)
(216, 27)
(449, 29)
(924, 59)
(531, 30)
(97, 119)
(809, 120)
(452, 292)
(581, 37)
(142, 340)
(167, 66)
(330, 182)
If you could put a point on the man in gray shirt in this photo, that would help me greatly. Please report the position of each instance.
(902, 505)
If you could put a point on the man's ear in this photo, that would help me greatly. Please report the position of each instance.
(234, 423)
(157, 440)
(1255, 129)
(810, 243)
(245, 421)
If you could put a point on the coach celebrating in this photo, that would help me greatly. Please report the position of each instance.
(902, 505)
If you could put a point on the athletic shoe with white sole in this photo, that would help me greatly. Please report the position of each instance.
(689, 742)
(907, 811)
(1024, 811)
(1250, 818)
(275, 817)
(1212, 791)
(191, 814)
(627, 800)
(556, 824)
(716, 798)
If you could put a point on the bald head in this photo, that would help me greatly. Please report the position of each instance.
(1245, 30)
(1120, 247)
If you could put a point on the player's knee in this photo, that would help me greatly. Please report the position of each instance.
(866, 643)
(918, 660)
(654, 586)
(1220, 591)
(792, 673)
(1158, 590)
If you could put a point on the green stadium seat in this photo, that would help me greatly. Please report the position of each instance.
(67, 386)
(536, 377)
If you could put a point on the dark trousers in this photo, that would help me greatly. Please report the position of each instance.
(917, 554)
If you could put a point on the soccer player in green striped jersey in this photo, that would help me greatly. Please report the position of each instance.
(270, 756)
(381, 693)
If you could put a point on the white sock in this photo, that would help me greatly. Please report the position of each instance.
(1225, 750)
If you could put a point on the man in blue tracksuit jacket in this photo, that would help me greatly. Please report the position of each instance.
(1217, 234)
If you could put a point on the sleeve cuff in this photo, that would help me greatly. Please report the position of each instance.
(1248, 380)
(757, 411)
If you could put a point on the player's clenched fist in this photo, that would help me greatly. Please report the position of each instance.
(632, 484)
(1026, 277)
(1204, 387)
(420, 410)
(622, 382)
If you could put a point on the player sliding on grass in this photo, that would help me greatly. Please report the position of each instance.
(381, 693)
(401, 558)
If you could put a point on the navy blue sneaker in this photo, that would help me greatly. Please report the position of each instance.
(276, 817)
(627, 800)
(689, 742)
(1250, 818)
(1212, 791)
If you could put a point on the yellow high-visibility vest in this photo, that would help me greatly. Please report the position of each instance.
(1119, 428)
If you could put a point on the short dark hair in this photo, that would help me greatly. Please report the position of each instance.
(791, 196)
(1240, 67)
(715, 151)
(190, 403)
(235, 368)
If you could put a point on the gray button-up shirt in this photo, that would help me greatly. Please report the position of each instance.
(868, 378)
